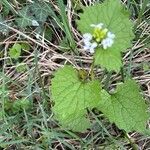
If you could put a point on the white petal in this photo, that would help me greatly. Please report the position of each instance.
(87, 36)
(87, 43)
(110, 42)
(94, 45)
(104, 43)
(110, 35)
(97, 25)
(93, 25)
(92, 50)
(107, 42)
(105, 30)
(86, 47)
(105, 46)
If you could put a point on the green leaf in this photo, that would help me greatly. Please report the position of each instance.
(126, 107)
(3, 29)
(41, 10)
(6, 11)
(3, 91)
(15, 51)
(64, 45)
(72, 96)
(21, 104)
(25, 46)
(21, 67)
(75, 121)
(48, 33)
(25, 18)
(1, 114)
(66, 25)
(8, 104)
(116, 19)
(1, 21)
(146, 66)
(45, 31)
(111, 60)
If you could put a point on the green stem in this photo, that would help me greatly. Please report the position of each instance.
(9, 6)
(132, 143)
(40, 78)
(122, 74)
(140, 14)
(42, 86)
(106, 85)
(92, 70)
(130, 64)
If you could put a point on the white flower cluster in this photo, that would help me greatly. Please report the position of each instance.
(108, 41)
(90, 44)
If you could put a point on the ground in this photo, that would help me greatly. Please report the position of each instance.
(26, 119)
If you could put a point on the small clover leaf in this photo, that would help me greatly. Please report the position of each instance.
(21, 67)
(15, 51)
(126, 107)
(25, 46)
(109, 18)
(72, 96)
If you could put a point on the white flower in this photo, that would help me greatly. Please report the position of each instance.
(110, 35)
(92, 48)
(97, 25)
(107, 42)
(87, 37)
(87, 45)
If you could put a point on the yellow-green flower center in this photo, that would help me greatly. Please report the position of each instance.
(99, 34)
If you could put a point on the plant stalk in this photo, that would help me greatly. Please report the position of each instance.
(106, 84)
(132, 143)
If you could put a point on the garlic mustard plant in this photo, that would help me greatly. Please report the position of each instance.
(76, 91)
